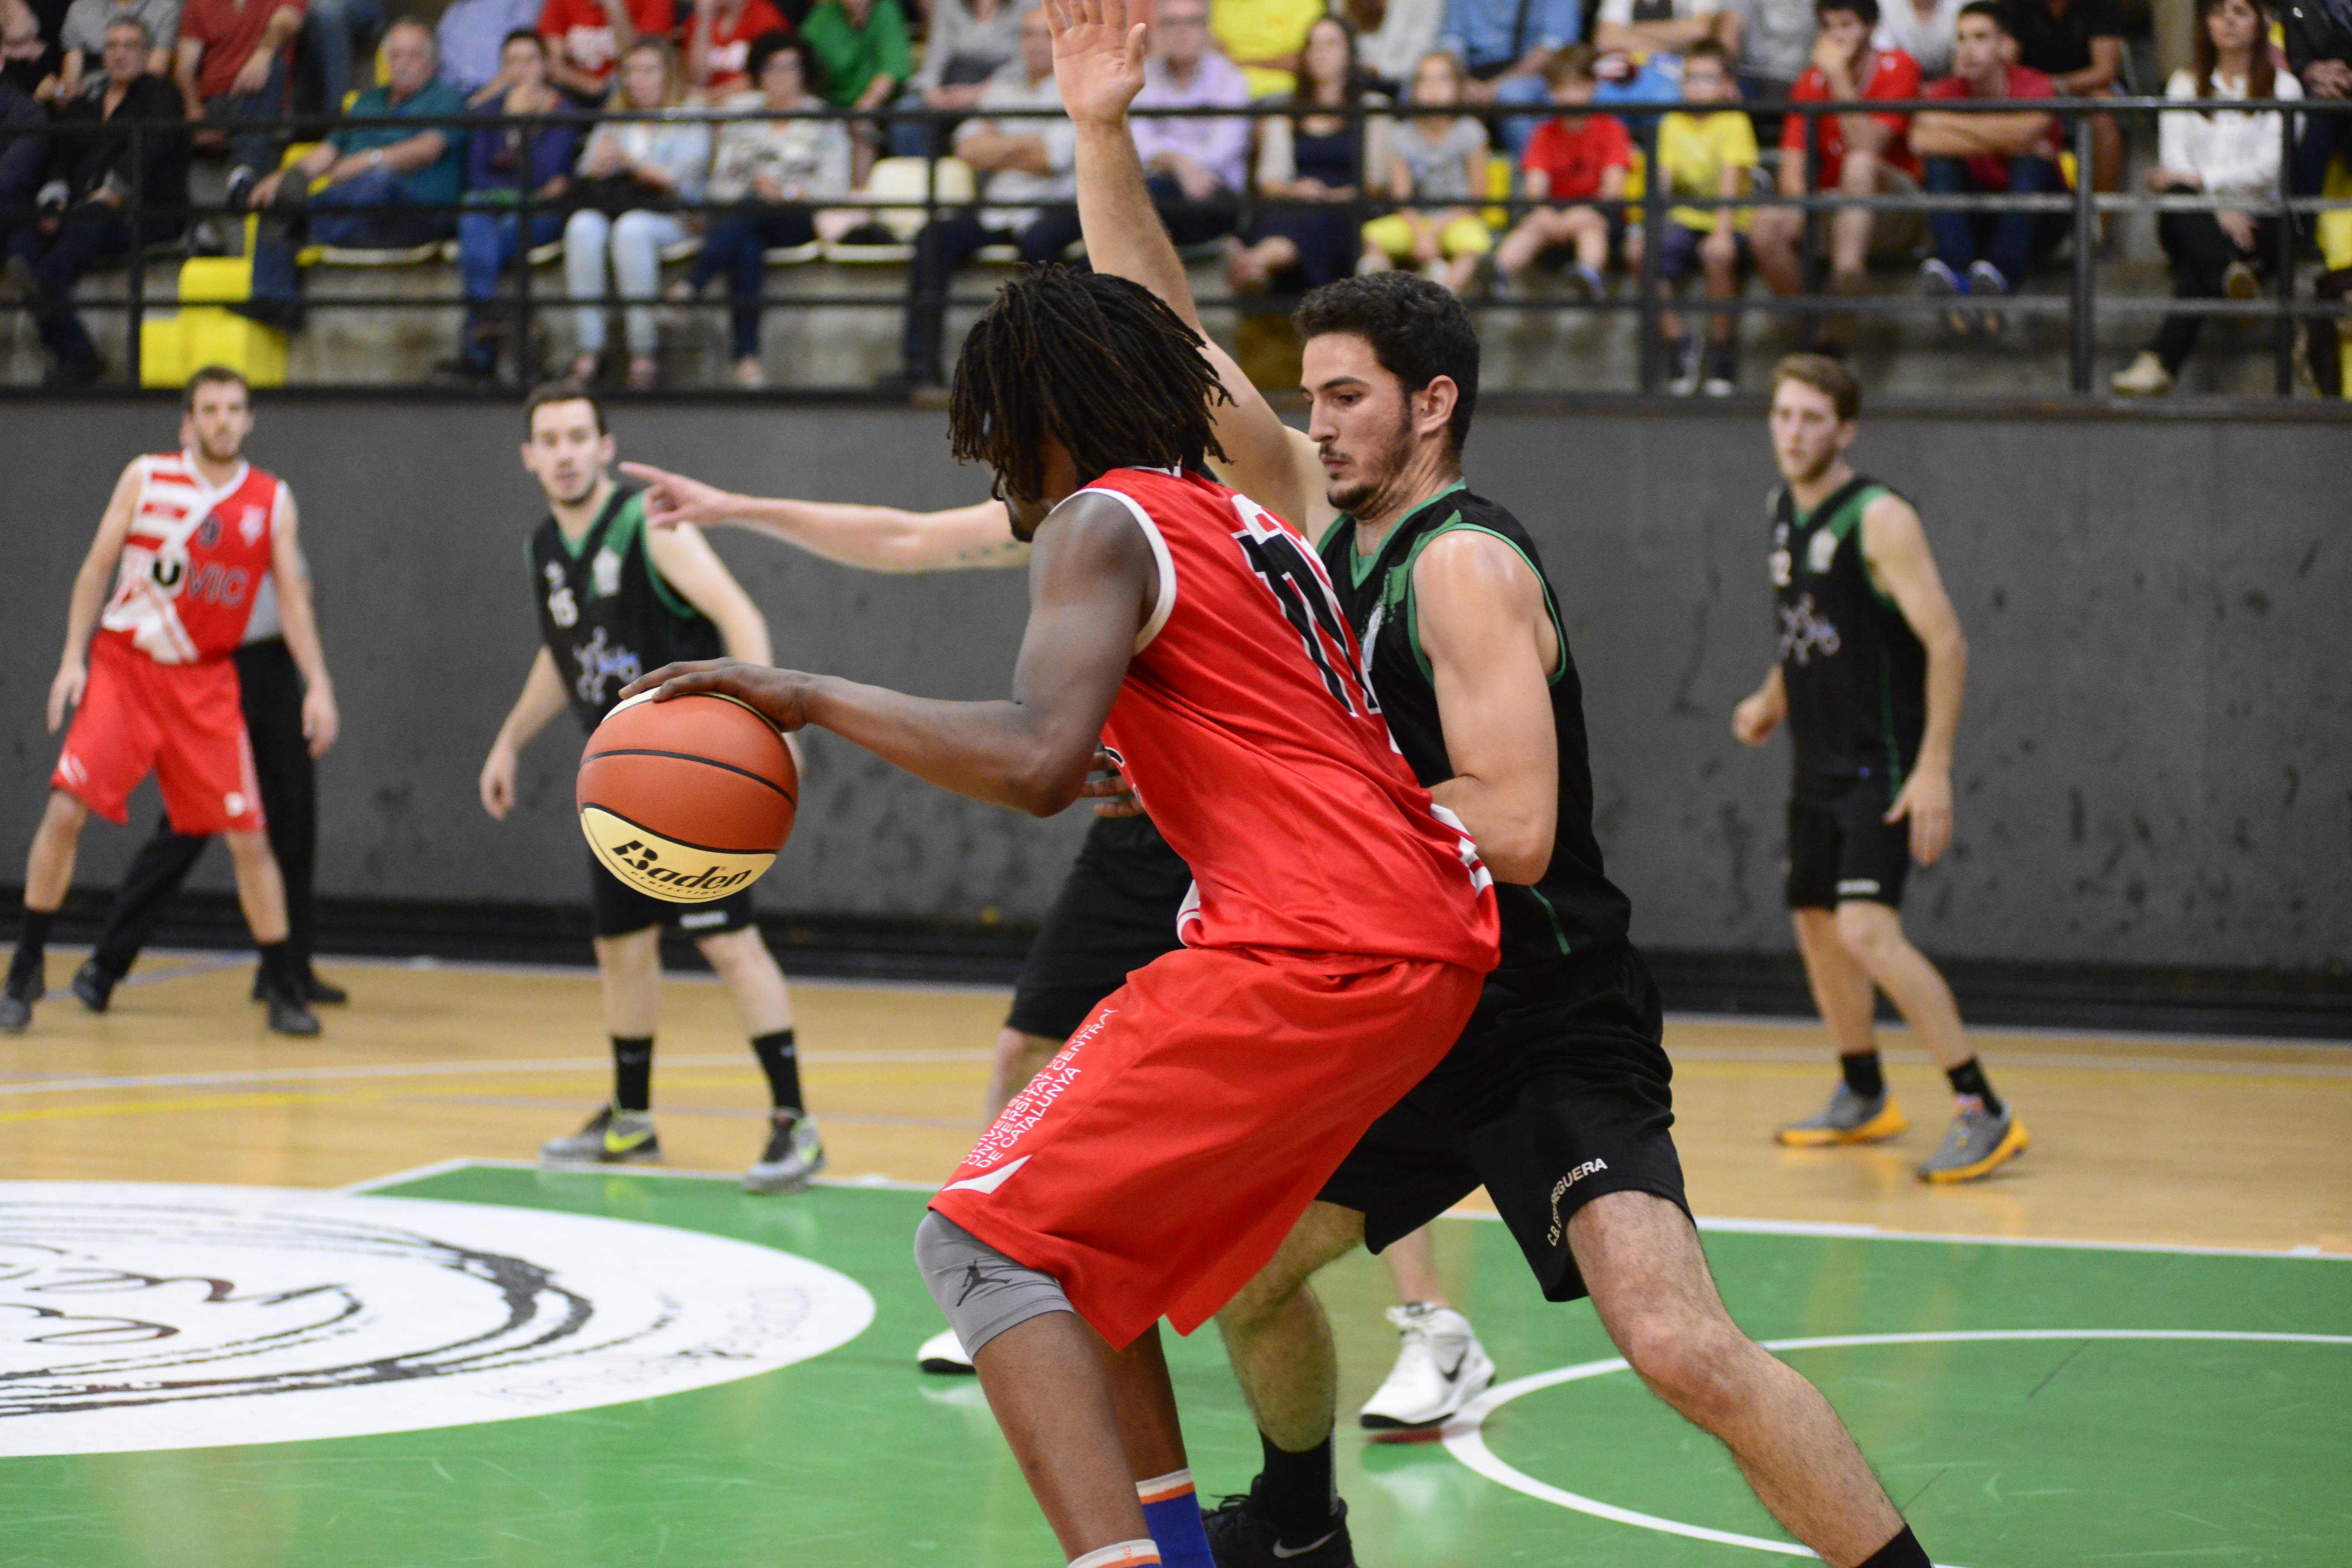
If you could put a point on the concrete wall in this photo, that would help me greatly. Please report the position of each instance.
(2153, 769)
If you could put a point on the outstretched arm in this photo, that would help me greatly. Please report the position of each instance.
(877, 538)
(1098, 62)
(1091, 579)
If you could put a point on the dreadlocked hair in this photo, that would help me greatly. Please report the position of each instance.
(1097, 362)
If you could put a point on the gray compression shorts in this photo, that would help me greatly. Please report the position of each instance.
(982, 1291)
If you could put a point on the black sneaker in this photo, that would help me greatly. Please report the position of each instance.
(16, 999)
(1241, 1536)
(94, 983)
(288, 1015)
(315, 992)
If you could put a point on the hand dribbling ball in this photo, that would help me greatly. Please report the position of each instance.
(688, 799)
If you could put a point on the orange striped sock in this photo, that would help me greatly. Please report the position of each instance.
(1171, 1509)
(1121, 1554)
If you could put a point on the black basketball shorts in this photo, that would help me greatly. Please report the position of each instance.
(1116, 912)
(1557, 1092)
(620, 909)
(1840, 847)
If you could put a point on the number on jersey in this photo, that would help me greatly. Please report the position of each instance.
(1295, 578)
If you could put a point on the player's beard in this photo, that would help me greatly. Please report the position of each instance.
(212, 454)
(1392, 456)
(1812, 470)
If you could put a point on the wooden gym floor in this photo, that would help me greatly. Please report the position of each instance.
(2141, 1140)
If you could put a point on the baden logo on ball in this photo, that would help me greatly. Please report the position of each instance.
(688, 799)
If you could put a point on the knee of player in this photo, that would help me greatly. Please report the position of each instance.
(1871, 931)
(1693, 1364)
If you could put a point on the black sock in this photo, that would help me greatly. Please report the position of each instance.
(32, 944)
(1298, 1493)
(280, 970)
(782, 1066)
(1969, 1080)
(1863, 1074)
(1903, 1551)
(633, 1072)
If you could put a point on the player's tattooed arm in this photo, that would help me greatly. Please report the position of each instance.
(1092, 580)
(1894, 548)
(875, 538)
(1098, 63)
(320, 720)
(91, 585)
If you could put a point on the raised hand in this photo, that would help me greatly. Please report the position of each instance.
(1097, 58)
(672, 499)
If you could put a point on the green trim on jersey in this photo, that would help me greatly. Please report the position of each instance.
(1360, 565)
(1846, 523)
(1412, 605)
(627, 530)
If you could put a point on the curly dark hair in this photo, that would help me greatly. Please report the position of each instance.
(1097, 362)
(1417, 328)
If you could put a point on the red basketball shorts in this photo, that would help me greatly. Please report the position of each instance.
(182, 722)
(1157, 1162)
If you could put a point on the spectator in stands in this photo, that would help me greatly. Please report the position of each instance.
(863, 58)
(1437, 168)
(1923, 32)
(632, 175)
(32, 41)
(84, 204)
(1708, 150)
(1574, 158)
(2214, 151)
(23, 147)
(1028, 178)
(474, 35)
(332, 32)
(231, 65)
(1263, 38)
(2079, 45)
(1855, 152)
(1194, 167)
(1312, 168)
(1504, 45)
(1776, 45)
(1663, 26)
(586, 38)
(501, 162)
(718, 34)
(968, 42)
(382, 181)
(83, 40)
(1984, 254)
(2319, 51)
(1407, 29)
(779, 173)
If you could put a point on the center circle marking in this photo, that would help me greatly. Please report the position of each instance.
(1465, 1440)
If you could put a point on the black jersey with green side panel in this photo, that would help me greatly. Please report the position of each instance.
(1573, 908)
(605, 612)
(1855, 673)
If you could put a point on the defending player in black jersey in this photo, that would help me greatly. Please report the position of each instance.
(615, 602)
(1557, 1094)
(1871, 673)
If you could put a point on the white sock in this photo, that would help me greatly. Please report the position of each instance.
(1121, 1554)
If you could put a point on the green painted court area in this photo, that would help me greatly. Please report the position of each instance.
(2081, 1447)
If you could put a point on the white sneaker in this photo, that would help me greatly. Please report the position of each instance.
(1440, 1368)
(944, 1354)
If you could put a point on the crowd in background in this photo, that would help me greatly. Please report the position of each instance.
(1434, 180)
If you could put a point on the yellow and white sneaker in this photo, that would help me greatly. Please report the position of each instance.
(1978, 1141)
(1848, 1117)
(611, 1137)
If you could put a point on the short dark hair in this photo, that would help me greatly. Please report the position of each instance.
(774, 42)
(1991, 12)
(523, 35)
(1099, 364)
(126, 19)
(1417, 328)
(1708, 49)
(1865, 9)
(1826, 375)
(567, 389)
(1573, 63)
(214, 375)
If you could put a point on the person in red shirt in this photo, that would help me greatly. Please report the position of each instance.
(719, 37)
(586, 38)
(1573, 157)
(1854, 153)
(231, 63)
(1985, 254)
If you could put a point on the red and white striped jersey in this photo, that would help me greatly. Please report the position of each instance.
(194, 561)
(1245, 725)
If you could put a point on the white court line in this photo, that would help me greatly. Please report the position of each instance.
(2037, 1061)
(1793, 1022)
(445, 1167)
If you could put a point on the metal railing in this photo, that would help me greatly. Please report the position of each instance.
(2083, 304)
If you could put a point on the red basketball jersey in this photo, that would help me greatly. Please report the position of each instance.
(195, 560)
(1248, 734)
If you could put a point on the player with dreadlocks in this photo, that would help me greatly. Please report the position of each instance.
(1340, 928)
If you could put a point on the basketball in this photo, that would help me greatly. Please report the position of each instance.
(688, 799)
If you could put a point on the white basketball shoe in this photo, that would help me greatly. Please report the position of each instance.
(944, 1354)
(1440, 1368)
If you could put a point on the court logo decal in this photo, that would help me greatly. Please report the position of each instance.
(138, 1316)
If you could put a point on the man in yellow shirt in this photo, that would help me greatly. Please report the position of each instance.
(1705, 153)
(1263, 38)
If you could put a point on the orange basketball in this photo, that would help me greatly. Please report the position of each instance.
(688, 799)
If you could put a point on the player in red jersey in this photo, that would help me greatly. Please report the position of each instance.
(1340, 932)
(186, 543)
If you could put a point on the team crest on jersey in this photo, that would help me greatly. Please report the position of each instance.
(208, 533)
(605, 572)
(252, 523)
(1821, 552)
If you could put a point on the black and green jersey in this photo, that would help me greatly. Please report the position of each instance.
(604, 611)
(1855, 673)
(1573, 908)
